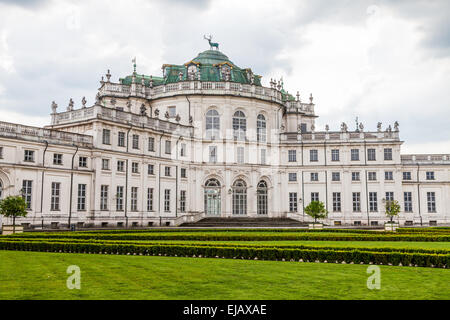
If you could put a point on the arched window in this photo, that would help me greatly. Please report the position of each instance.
(212, 197)
(239, 197)
(261, 128)
(1, 189)
(239, 125)
(262, 197)
(212, 124)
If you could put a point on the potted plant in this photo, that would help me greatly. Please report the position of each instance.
(316, 210)
(13, 206)
(392, 208)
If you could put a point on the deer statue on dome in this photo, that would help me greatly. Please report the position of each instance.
(212, 45)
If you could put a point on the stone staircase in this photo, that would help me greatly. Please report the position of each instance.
(244, 222)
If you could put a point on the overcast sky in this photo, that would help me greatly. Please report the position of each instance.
(378, 60)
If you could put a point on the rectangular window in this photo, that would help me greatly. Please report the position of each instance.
(57, 158)
(431, 202)
(119, 198)
(27, 192)
(135, 167)
(105, 164)
(240, 154)
(28, 156)
(314, 176)
(430, 175)
(372, 176)
(106, 137)
(335, 176)
(1, 152)
(388, 154)
(56, 192)
(150, 169)
(314, 196)
(167, 200)
(355, 154)
(388, 175)
(151, 144)
(292, 155)
(121, 139)
(172, 111)
(212, 154)
(335, 155)
(263, 156)
(407, 198)
(373, 203)
(355, 176)
(313, 155)
(183, 201)
(120, 165)
(134, 193)
(336, 202)
(183, 149)
(293, 205)
(149, 199)
(167, 171)
(407, 175)
(371, 155)
(168, 148)
(82, 162)
(356, 197)
(183, 173)
(81, 201)
(104, 197)
(303, 128)
(292, 176)
(389, 196)
(135, 143)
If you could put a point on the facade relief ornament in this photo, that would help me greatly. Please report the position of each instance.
(361, 126)
(313, 127)
(191, 119)
(167, 115)
(143, 110)
(157, 112)
(177, 118)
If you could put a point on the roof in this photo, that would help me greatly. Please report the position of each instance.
(208, 63)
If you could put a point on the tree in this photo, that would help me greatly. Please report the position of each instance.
(392, 209)
(13, 206)
(316, 210)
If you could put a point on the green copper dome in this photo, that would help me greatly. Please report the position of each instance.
(211, 57)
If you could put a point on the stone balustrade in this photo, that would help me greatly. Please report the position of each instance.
(17, 131)
(339, 136)
(425, 158)
(125, 117)
(193, 87)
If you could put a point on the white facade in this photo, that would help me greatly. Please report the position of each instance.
(147, 154)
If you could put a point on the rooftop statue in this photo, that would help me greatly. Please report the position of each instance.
(211, 44)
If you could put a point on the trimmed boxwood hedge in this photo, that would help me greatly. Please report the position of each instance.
(321, 255)
(254, 236)
(244, 244)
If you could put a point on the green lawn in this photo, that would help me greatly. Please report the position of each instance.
(37, 275)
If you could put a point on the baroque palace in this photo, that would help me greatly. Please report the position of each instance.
(207, 139)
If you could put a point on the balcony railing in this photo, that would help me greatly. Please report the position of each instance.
(191, 87)
(339, 136)
(425, 158)
(122, 117)
(18, 131)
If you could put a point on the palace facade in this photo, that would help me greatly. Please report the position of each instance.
(208, 139)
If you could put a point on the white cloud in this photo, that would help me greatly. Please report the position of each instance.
(358, 59)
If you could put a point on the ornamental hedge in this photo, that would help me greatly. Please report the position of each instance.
(287, 254)
(240, 236)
